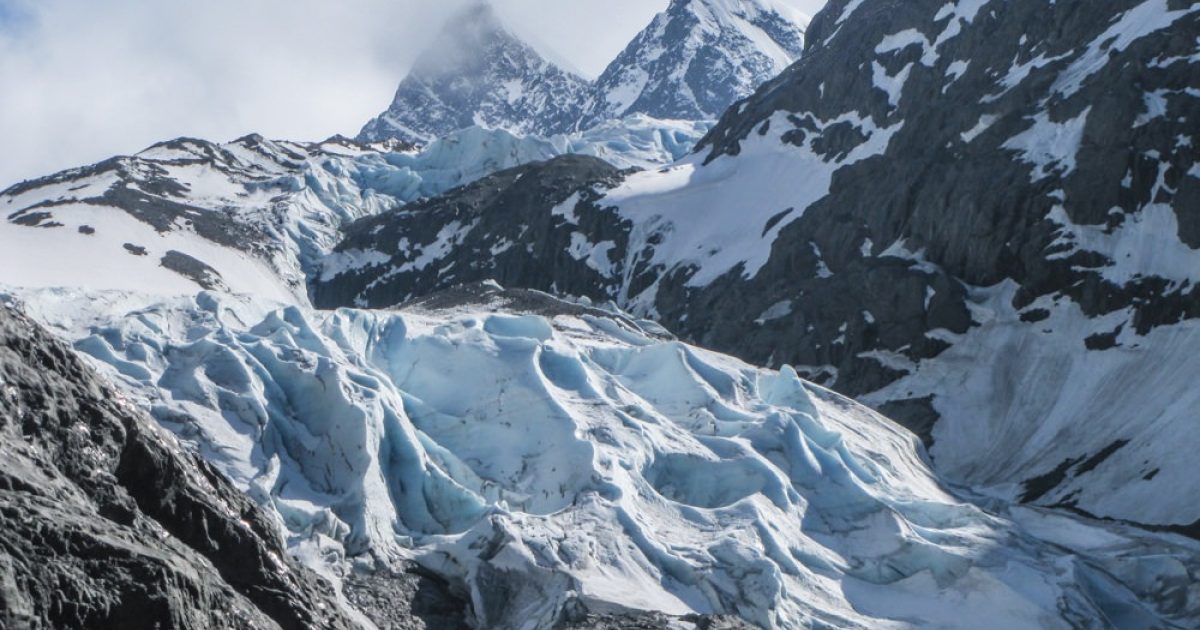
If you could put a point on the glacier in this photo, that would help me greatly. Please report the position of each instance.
(544, 455)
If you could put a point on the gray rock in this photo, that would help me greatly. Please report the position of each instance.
(197, 271)
(472, 224)
(109, 524)
(694, 60)
(410, 600)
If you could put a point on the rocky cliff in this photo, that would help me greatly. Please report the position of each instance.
(109, 523)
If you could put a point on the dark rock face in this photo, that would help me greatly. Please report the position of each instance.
(479, 73)
(960, 182)
(1047, 147)
(108, 524)
(406, 601)
(970, 198)
(501, 227)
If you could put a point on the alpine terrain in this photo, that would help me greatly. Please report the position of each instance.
(691, 63)
(479, 73)
(983, 224)
(697, 58)
(898, 335)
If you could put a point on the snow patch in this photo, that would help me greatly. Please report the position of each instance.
(687, 205)
(1050, 146)
(1146, 244)
(1146, 18)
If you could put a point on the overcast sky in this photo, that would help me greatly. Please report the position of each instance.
(82, 80)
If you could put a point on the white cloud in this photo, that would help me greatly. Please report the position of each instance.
(82, 80)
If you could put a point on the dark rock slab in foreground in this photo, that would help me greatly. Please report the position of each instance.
(108, 523)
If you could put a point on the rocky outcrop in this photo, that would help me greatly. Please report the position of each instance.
(653, 621)
(108, 523)
(502, 227)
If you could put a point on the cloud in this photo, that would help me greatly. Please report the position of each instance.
(82, 80)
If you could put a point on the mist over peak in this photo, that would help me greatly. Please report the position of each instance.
(690, 63)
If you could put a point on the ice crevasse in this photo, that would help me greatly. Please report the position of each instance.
(539, 456)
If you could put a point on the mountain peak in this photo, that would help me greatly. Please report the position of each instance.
(691, 63)
(698, 57)
(477, 72)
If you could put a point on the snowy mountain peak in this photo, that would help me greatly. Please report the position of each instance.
(691, 63)
(698, 57)
(782, 25)
(478, 72)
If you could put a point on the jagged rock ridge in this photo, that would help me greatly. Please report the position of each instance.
(697, 58)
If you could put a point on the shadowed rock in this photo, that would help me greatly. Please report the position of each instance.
(108, 523)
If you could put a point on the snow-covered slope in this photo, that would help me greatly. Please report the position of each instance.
(479, 73)
(980, 222)
(698, 57)
(550, 458)
(250, 216)
(980, 216)
(259, 216)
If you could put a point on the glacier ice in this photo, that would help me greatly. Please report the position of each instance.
(542, 455)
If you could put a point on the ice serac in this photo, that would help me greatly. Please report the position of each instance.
(931, 183)
(697, 58)
(109, 523)
(563, 465)
(478, 73)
